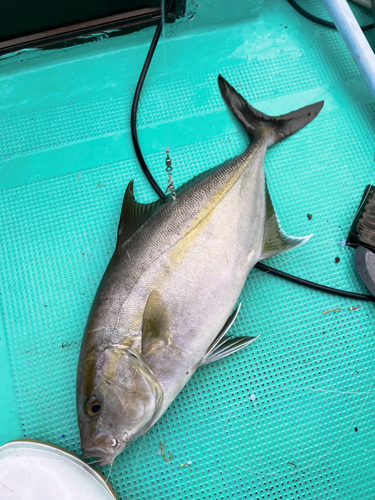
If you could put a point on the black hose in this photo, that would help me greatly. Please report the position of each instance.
(320, 21)
(133, 116)
(316, 286)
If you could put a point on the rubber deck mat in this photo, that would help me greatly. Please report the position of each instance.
(290, 417)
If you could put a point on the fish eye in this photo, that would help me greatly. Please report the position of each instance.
(93, 408)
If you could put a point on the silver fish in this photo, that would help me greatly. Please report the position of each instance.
(166, 299)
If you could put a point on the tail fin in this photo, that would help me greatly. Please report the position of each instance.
(257, 123)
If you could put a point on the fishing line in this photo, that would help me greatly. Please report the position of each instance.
(272, 336)
(109, 473)
(331, 391)
(278, 475)
(94, 462)
(159, 192)
(305, 467)
(157, 425)
(366, 394)
(138, 454)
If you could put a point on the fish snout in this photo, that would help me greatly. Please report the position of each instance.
(105, 448)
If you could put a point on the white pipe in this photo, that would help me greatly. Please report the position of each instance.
(354, 39)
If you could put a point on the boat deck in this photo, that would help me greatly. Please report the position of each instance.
(290, 417)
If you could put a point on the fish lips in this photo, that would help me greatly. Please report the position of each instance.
(105, 448)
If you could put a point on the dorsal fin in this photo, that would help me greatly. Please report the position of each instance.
(155, 324)
(275, 240)
(133, 214)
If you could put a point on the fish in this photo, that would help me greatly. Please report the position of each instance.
(168, 296)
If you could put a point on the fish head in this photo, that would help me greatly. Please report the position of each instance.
(118, 398)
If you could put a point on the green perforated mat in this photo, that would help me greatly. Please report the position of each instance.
(290, 417)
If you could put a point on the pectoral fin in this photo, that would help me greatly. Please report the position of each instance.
(276, 241)
(155, 325)
(223, 345)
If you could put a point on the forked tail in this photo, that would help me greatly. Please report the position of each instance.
(257, 124)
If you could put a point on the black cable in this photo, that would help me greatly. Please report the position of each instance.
(160, 193)
(316, 286)
(318, 20)
(133, 116)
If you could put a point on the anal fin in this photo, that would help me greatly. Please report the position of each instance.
(275, 240)
(223, 345)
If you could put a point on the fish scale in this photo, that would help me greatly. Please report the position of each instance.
(174, 278)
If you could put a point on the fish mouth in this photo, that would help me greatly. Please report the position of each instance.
(104, 448)
(102, 461)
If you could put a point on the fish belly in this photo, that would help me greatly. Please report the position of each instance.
(201, 277)
(198, 276)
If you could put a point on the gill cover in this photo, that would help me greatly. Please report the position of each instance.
(128, 395)
(137, 388)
